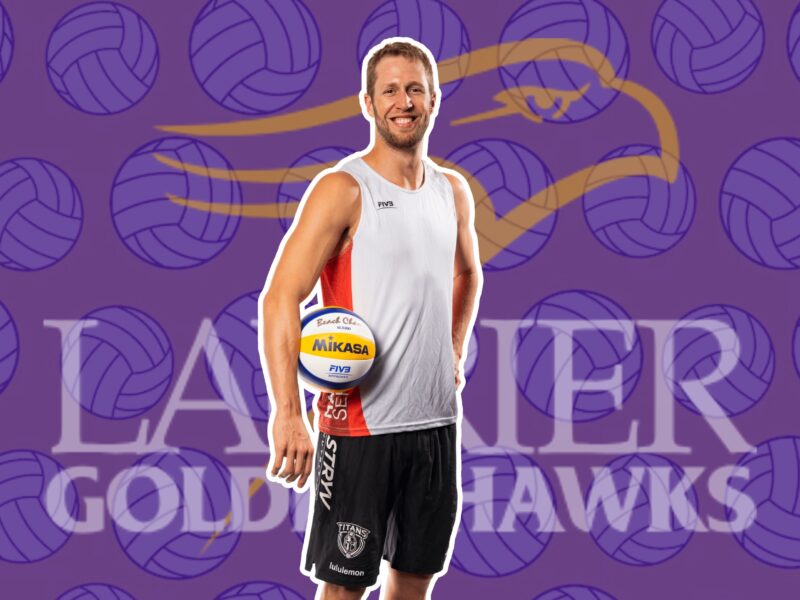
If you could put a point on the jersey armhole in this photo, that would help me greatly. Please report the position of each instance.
(354, 228)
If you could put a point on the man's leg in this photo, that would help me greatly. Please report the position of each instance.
(406, 586)
(331, 591)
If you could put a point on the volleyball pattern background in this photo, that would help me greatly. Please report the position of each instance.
(6, 42)
(119, 365)
(599, 351)
(87, 229)
(195, 485)
(500, 532)
(574, 592)
(706, 46)
(431, 22)
(585, 21)
(259, 590)
(697, 353)
(42, 214)
(232, 361)
(760, 212)
(162, 232)
(38, 506)
(95, 591)
(102, 58)
(9, 347)
(639, 216)
(255, 57)
(507, 175)
(773, 536)
(635, 537)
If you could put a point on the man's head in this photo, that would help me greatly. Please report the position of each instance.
(400, 93)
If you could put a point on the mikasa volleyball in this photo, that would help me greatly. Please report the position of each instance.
(337, 348)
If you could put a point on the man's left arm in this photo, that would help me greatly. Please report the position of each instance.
(467, 273)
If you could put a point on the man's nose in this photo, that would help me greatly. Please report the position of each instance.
(404, 100)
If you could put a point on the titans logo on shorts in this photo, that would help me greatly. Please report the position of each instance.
(391, 496)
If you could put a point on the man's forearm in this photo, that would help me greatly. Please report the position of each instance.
(465, 290)
(281, 349)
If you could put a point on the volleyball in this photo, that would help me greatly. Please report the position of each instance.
(166, 508)
(699, 353)
(759, 203)
(792, 42)
(102, 58)
(505, 175)
(259, 590)
(38, 506)
(9, 347)
(639, 216)
(508, 514)
(164, 233)
(95, 591)
(586, 22)
(762, 495)
(120, 367)
(255, 56)
(652, 527)
(795, 347)
(6, 42)
(42, 214)
(574, 592)
(607, 344)
(337, 348)
(707, 46)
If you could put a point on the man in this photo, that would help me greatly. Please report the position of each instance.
(390, 236)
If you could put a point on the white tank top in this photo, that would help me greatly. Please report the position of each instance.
(397, 274)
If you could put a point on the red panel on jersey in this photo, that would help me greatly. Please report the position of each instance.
(340, 414)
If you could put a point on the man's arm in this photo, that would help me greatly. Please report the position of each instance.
(467, 273)
(328, 214)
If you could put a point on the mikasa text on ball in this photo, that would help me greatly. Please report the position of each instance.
(337, 348)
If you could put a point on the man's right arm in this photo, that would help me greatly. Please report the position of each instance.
(328, 213)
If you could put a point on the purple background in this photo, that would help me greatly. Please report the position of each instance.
(703, 268)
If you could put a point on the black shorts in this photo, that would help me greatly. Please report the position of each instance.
(393, 495)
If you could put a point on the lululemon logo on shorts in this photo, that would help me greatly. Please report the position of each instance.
(351, 539)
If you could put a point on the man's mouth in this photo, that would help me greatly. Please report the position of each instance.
(404, 122)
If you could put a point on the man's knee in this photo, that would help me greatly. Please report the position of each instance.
(407, 586)
(332, 591)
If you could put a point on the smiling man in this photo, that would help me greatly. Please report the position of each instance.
(390, 236)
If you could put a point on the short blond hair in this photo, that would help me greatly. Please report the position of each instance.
(405, 49)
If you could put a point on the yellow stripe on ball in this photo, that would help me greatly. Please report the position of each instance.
(344, 346)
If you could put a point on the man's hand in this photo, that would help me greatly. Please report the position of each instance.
(457, 360)
(291, 440)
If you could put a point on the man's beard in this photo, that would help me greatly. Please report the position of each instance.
(406, 142)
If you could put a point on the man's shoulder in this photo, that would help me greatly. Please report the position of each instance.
(456, 179)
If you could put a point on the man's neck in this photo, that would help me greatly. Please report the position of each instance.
(401, 167)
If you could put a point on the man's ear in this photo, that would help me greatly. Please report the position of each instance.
(368, 104)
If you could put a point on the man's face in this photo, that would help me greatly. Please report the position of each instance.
(401, 102)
